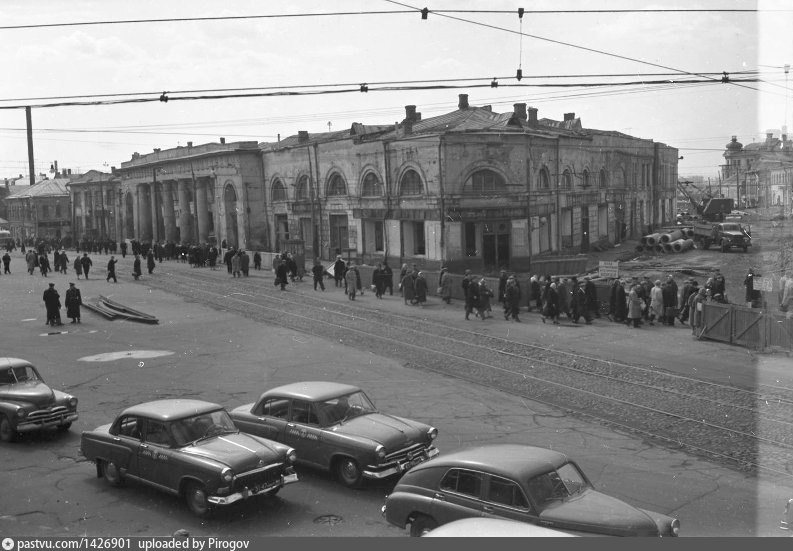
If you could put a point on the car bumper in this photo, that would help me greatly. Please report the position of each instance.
(251, 492)
(377, 472)
(37, 424)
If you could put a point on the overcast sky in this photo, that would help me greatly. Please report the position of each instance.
(260, 54)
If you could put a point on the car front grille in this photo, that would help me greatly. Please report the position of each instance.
(45, 415)
(263, 476)
(406, 454)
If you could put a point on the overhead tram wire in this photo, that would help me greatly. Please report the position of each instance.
(360, 13)
(569, 44)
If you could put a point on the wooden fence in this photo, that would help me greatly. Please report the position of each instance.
(754, 328)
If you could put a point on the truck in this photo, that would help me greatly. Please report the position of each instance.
(726, 235)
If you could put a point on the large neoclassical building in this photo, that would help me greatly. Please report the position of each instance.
(470, 188)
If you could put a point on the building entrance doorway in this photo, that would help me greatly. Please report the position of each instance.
(495, 245)
(584, 229)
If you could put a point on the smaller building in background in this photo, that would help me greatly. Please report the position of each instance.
(40, 211)
(759, 174)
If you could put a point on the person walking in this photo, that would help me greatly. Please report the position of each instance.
(351, 279)
(257, 261)
(31, 260)
(535, 290)
(111, 269)
(591, 302)
(338, 271)
(502, 288)
(136, 270)
(407, 286)
(52, 301)
(656, 303)
(550, 302)
(388, 275)
(236, 263)
(485, 294)
(6, 263)
(64, 260)
(73, 301)
(318, 271)
(512, 299)
(472, 297)
(86, 262)
(696, 310)
(44, 264)
(245, 263)
(378, 280)
(150, 264)
(420, 288)
(634, 307)
(445, 284)
(282, 274)
(669, 294)
(78, 267)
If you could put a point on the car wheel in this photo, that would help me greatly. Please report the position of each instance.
(7, 432)
(725, 247)
(348, 472)
(64, 427)
(111, 473)
(706, 244)
(421, 525)
(744, 249)
(196, 498)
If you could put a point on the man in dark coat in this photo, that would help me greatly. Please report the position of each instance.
(388, 278)
(72, 302)
(318, 271)
(86, 263)
(502, 287)
(150, 264)
(123, 249)
(52, 300)
(282, 274)
(6, 263)
(136, 268)
(511, 299)
(378, 281)
(111, 269)
(339, 268)
(471, 295)
(591, 300)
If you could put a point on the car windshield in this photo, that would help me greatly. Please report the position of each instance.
(205, 425)
(20, 374)
(556, 486)
(341, 408)
(731, 227)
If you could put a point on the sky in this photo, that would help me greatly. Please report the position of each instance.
(325, 58)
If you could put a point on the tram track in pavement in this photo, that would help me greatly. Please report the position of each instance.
(742, 428)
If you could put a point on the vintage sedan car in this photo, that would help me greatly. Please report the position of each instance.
(188, 448)
(517, 482)
(336, 427)
(28, 404)
(481, 527)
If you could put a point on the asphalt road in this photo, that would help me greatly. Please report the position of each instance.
(48, 489)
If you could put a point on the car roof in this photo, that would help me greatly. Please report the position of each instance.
(508, 460)
(312, 390)
(168, 410)
(13, 362)
(493, 527)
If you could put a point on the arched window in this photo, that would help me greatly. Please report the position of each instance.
(336, 185)
(371, 186)
(545, 179)
(302, 193)
(603, 180)
(487, 181)
(411, 183)
(279, 191)
(567, 179)
(585, 179)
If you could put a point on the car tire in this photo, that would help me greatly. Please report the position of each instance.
(111, 473)
(348, 472)
(64, 427)
(7, 431)
(421, 525)
(706, 244)
(196, 498)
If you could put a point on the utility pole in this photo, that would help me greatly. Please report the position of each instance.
(31, 167)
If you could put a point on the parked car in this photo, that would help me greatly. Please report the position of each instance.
(188, 448)
(336, 427)
(517, 482)
(28, 404)
(481, 527)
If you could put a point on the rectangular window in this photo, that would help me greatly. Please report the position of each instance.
(470, 239)
(281, 229)
(379, 239)
(339, 239)
(419, 246)
(45, 211)
(463, 482)
(506, 492)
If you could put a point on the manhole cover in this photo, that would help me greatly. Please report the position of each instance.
(328, 519)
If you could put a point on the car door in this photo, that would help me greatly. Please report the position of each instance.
(155, 457)
(459, 495)
(304, 433)
(125, 438)
(267, 419)
(504, 498)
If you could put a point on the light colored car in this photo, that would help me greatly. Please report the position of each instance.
(28, 404)
(517, 482)
(188, 448)
(481, 527)
(336, 427)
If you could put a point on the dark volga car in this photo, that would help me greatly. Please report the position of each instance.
(336, 427)
(516, 482)
(28, 404)
(188, 448)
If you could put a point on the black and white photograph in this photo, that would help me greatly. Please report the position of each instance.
(377, 269)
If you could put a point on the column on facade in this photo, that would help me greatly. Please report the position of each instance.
(83, 212)
(155, 212)
(168, 214)
(144, 200)
(202, 211)
(185, 227)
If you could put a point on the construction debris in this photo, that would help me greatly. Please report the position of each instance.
(113, 310)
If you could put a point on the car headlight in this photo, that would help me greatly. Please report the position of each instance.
(227, 475)
(433, 433)
(291, 455)
(72, 402)
(21, 413)
(380, 451)
(675, 527)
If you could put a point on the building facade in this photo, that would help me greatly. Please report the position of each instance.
(94, 202)
(758, 174)
(40, 211)
(471, 188)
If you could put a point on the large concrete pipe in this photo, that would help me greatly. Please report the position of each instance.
(671, 236)
(652, 240)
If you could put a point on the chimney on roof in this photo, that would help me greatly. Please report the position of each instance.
(410, 113)
(462, 102)
(156, 149)
(520, 111)
(222, 140)
(533, 115)
(569, 116)
(189, 144)
(69, 171)
(302, 136)
(112, 170)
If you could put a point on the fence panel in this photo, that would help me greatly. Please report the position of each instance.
(717, 322)
(779, 331)
(748, 327)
